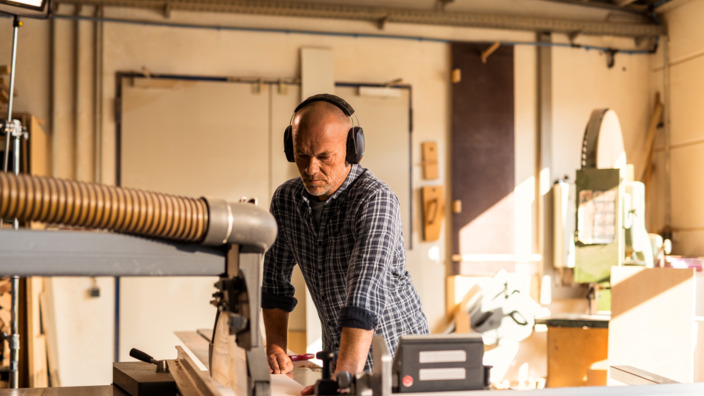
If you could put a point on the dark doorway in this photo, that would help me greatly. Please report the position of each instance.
(483, 160)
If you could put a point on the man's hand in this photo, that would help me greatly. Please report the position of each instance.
(279, 362)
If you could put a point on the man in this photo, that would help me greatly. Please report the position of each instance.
(342, 226)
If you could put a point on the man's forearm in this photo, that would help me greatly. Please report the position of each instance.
(354, 349)
(276, 327)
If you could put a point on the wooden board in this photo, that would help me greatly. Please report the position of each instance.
(652, 320)
(430, 160)
(46, 300)
(574, 354)
(645, 165)
(228, 364)
(433, 212)
(36, 340)
(197, 344)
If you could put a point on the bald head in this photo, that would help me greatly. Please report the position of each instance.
(321, 112)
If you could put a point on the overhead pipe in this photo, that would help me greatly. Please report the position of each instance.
(382, 15)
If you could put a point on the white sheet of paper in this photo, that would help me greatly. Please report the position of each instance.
(283, 385)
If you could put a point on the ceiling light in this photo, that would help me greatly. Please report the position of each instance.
(24, 7)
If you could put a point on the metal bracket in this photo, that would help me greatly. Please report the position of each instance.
(238, 296)
(15, 128)
(610, 57)
(572, 36)
(381, 22)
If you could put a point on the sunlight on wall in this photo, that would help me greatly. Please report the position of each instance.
(524, 194)
(486, 225)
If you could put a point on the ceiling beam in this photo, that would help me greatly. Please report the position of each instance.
(632, 8)
(392, 15)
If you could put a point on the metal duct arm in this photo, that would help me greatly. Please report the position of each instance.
(137, 212)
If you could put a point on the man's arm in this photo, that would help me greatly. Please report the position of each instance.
(352, 356)
(354, 348)
(276, 325)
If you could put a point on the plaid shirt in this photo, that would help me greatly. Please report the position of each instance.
(353, 265)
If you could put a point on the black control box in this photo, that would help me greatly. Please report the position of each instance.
(427, 363)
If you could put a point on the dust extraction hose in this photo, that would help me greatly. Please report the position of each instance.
(132, 211)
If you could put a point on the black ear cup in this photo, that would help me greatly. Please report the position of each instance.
(355, 145)
(288, 144)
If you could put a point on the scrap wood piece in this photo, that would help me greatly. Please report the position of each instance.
(645, 166)
(48, 323)
(189, 379)
(462, 315)
(36, 339)
(433, 212)
(487, 52)
(430, 160)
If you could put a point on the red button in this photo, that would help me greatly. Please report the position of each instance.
(407, 381)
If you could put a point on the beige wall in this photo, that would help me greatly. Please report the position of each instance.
(683, 53)
(580, 82)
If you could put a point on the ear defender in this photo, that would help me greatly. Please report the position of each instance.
(355, 136)
(288, 144)
(355, 145)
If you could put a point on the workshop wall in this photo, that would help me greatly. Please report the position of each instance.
(60, 87)
(683, 53)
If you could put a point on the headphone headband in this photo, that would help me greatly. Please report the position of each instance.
(332, 99)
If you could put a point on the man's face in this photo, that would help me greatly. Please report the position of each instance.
(319, 144)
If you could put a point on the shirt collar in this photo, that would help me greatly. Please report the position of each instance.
(355, 171)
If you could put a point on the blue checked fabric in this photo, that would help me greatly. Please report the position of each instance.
(354, 265)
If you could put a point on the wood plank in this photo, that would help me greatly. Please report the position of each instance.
(645, 164)
(196, 344)
(5, 317)
(36, 340)
(49, 324)
(39, 147)
(433, 212)
(461, 314)
(430, 160)
(573, 353)
(189, 379)
(652, 320)
(634, 376)
(229, 364)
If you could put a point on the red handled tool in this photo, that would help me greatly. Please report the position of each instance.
(298, 358)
